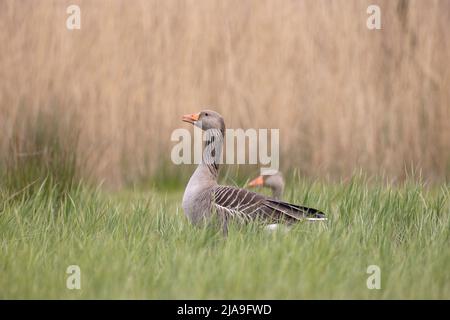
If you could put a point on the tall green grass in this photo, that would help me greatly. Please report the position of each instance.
(42, 157)
(140, 245)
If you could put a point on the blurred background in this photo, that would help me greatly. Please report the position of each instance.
(100, 103)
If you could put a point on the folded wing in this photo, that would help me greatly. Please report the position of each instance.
(232, 202)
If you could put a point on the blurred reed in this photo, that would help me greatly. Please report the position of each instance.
(343, 96)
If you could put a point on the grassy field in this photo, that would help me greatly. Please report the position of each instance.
(99, 105)
(139, 245)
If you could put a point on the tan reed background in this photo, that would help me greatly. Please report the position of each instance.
(343, 96)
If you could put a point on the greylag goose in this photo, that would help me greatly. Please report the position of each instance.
(204, 199)
(274, 181)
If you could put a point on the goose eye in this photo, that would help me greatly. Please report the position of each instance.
(206, 114)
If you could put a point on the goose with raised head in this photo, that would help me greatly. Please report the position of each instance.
(205, 199)
(272, 180)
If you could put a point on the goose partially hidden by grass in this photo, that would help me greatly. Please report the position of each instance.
(204, 199)
(272, 180)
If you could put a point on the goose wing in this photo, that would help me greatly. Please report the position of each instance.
(247, 205)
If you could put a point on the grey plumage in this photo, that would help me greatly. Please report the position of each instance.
(204, 198)
(272, 180)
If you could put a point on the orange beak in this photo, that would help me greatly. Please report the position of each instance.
(190, 118)
(257, 182)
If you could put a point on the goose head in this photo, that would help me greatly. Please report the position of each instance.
(273, 181)
(206, 120)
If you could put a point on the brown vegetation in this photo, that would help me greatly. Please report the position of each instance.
(344, 97)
